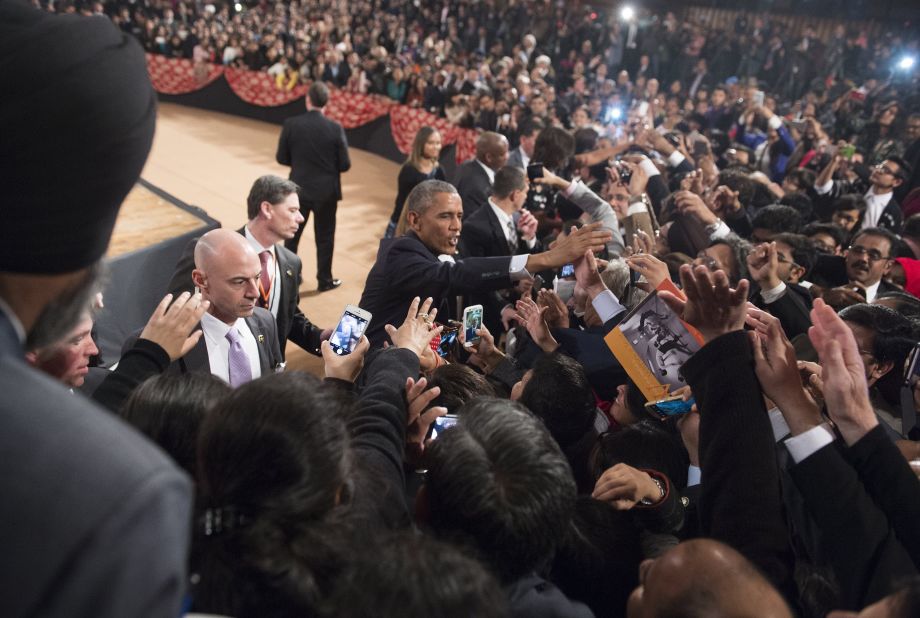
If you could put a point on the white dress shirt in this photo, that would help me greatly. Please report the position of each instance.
(875, 206)
(506, 222)
(215, 339)
(274, 295)
(489, 171)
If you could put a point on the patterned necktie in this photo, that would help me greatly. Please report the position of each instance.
(265, 279)
(512, 237)
(240, 370)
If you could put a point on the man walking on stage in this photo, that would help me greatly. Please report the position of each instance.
(316, 150)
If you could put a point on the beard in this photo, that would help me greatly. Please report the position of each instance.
(63, 313)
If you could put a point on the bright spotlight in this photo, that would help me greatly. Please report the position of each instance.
(907, 63)
(238, 7)
(627, 13)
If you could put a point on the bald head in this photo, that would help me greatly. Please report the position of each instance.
(227, 271)
(704, 577)
(492, 149)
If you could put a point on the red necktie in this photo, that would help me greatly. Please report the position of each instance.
(265, 279)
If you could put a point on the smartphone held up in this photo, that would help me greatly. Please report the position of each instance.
(349, 330)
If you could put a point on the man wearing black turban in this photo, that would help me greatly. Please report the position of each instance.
(95, 519)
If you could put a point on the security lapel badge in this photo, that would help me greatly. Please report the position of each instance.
(261, 338)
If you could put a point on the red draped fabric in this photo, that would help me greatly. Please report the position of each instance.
(180, 76)
(350, 109)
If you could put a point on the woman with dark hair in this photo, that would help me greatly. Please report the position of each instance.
(422, 164)
(880, 139)
(294, 477)
(169, 409)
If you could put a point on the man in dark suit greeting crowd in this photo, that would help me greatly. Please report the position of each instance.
(316, 150)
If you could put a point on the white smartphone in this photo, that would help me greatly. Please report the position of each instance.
(758, 98)
(349, 330)
(472, 321)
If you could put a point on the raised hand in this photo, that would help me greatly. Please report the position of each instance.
(778, 372)
(590, 237)
(347, 366)
(532, 317)
(556, 313)
(420, 416)
(416, 331)
(712, 306)
(763, 264)
(485, 355)
(170, 326)
(623, 487)
(842, 373)
(527, 225)
(654, 270)
(587, 276)
(690, 203)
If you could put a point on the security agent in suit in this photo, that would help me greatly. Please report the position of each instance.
(317, 151)
(95, 518)
(422, 262)
(475, 177)
(502, 228)
(227, 272)
(273, 216)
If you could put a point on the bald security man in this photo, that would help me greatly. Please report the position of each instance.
(240, 341)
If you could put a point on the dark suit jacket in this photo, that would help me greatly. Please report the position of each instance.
(95, 517)
(483, 236)
(339, 80)
(292, 323)
(516, 159)
(405, 268)
(263, 327)
(857, 538)
(473, 185)
(792, 309)
(317, 151)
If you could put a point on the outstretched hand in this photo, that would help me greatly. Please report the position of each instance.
(842, 373)
(171, 324)
(416, 331)
(532, 317)
(420, 416)
(778, 373)
(591, 237)
(623, 487)
(712, 306)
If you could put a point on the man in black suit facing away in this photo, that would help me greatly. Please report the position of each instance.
(493, 231)
(422, 263)
(274, 216)
(317, 151)
(475, 177)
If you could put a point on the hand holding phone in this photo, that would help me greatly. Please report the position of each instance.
(670, 406)
(349, 330)
(472, 321)
(534, 171)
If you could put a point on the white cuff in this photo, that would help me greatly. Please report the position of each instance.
(774, 122)
(572, 186)
(676, 158)
(531, 242)
(804, 445)
(607, 305)
(649, 168)
(718, 230)
(780, 428)
(517, 270)
(694, 475)
(825, 188)
(636, 208)
(771, 296)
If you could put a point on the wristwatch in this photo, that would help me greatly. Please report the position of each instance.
(646, 501)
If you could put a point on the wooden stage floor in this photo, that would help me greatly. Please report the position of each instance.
(210, 160)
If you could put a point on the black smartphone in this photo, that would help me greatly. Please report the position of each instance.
(624, 173)
(700, 148)
(534, 171)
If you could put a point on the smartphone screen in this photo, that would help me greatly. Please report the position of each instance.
(348, 333)
(672, 406)
(535, 170)
(440, 424)
(472, 321)
(567, 271)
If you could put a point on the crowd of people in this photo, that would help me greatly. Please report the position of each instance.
(518, 467)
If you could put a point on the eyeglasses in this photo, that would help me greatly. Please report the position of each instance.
(783, 260)
(873, 255)
(885, 170)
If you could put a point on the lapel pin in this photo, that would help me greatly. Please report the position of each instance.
(261, 338)
(289, 273)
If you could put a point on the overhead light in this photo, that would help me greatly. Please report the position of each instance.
(627, 13)
(907, 63)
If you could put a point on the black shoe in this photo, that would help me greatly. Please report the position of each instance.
(325, 286)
